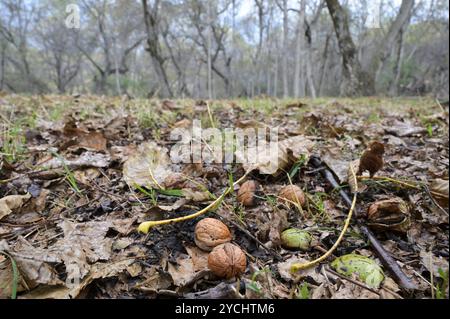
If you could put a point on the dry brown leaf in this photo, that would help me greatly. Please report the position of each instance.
(188, 266)
(284, 270)
(97, 271)
(7, 278)
(79, 138)
(82, 245)
(195, 195)
(87, 159)
(433, 263)
(441, 187)
(10, 203)
(348, 290)
(403, 129)
(155, 279)
(148, 157)
(354, 167)
(274, 157)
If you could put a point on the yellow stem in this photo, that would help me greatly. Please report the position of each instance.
(299, 266)
(145, 226)
(152, 177)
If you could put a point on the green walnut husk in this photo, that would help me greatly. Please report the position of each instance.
(367, 269)
(296, 239)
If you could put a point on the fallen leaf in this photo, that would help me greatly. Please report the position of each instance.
(97, 271)
(79, 138)
(441, 187)
(284, 269)
(87, 159)
(353, 168)
(274, 157)
(83, 244)
(348, 290)
(433, 263)
(188, 266)
(149, 157)
(403, 129)
(339, 167)
(365, 268)
(12, 202)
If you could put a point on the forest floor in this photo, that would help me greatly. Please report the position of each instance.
(73, 191)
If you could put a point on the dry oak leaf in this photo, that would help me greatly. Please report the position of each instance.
(79, 138)
(274, 157)
(372, 159)
(10, 203)
(149, 159)
(97, 271)
(189, 267)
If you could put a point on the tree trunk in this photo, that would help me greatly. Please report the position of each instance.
(154, 47)
(284, 61)
(2, 67)
(356, 82)
(300, 52)
(400, 22)
(324, 65)
(395, 85)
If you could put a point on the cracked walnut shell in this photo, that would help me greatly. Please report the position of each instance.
(227, 261)
(210, 232)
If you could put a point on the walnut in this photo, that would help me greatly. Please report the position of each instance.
(246, 194)
(210, 232)
(227, 261)
(292, 194)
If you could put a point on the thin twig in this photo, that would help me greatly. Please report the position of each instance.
(360, 284)
(427, 189)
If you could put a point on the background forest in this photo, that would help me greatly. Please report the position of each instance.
(226, 48)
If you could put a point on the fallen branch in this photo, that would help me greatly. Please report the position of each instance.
(384, 256)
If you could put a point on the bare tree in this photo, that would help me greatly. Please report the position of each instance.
(283, 5)
(356, 80)
(359, 81)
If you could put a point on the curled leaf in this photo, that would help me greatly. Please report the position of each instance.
(355, 185)
(367, 269)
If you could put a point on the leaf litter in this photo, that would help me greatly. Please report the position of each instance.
(71, 202)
